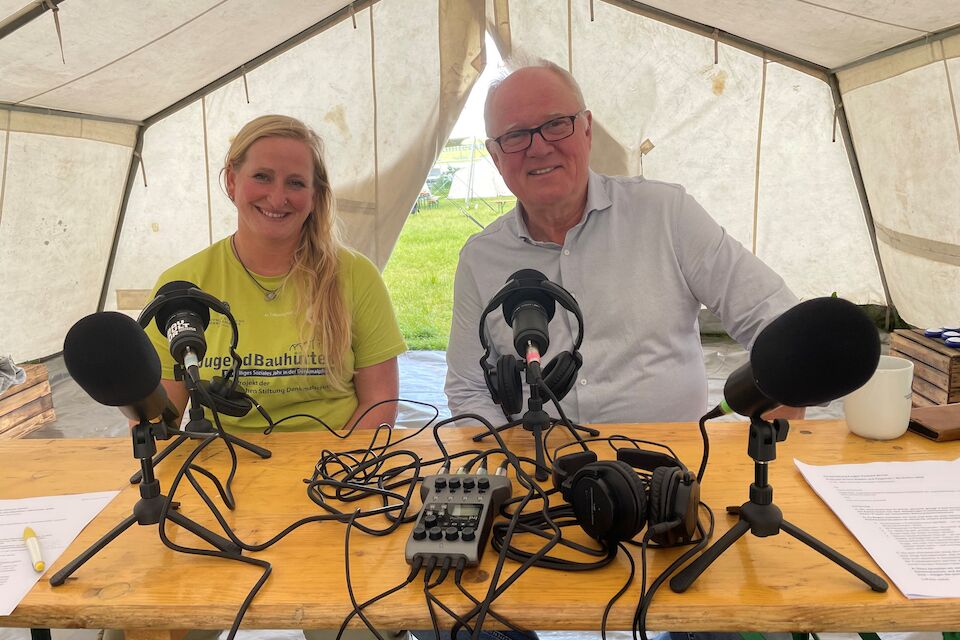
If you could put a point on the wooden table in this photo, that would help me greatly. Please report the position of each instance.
(771, 584)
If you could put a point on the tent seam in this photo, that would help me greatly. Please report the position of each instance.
(756, 174)
(953, 102)
(126, 55)
(376, 138)
(942, 252)
(206, 168)
(6, 159)
(738, 42)
(861, 17)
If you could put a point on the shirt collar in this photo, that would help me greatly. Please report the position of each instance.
(597, 200)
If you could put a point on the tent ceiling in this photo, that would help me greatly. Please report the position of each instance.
(830, 33)
(131, 59)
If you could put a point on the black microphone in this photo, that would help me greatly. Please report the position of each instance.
(183, 322)
(818, 351)
(113, 360)
(529, 310)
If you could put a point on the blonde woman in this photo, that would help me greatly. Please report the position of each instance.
(318, 334)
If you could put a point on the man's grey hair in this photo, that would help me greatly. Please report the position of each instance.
(517, 62)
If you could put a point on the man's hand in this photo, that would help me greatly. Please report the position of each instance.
(783, 411)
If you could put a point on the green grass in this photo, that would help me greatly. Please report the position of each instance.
(419, 274)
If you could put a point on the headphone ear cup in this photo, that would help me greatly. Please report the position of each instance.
(561, 372)
(674, 495)
(236, 404)
(609, 500)
(565, 467)
(217, 385)
(493, 383)
(508, 382)
(659, 485)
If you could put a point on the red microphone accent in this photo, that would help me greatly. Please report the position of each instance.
(533, 354)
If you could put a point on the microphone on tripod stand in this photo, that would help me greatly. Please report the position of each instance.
(818, 351)
(528, 302)
(111, 358)
(182, 314)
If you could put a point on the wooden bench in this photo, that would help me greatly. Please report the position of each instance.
(26, 407)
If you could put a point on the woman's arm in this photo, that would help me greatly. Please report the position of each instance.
(178, 395)
(373, 384)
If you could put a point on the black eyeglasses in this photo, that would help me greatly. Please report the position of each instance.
(551, 131)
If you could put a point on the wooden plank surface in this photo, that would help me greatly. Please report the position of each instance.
(29, 425)
(36, 403)
(926, 350)
(774, 584)
(920, 401)
(36, 373)
(928, 390)
(934, 376)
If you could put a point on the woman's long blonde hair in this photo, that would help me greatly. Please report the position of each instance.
(320, 306)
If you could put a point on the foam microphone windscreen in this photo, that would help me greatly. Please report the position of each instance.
(112, 359)
(180, 304)
(818, 351)
(529, 283)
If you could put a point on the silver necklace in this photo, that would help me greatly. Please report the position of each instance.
(268, 294)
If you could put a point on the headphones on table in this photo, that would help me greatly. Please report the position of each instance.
(503, 377)
(613, 502)
(227, 395)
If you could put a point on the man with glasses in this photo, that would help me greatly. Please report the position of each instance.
(639, 256)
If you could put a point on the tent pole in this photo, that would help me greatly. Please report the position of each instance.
(127, 189)
(46, 111)
(714, 33)
(861, 190)
(248, 66)
(25, 17)
(922, 41)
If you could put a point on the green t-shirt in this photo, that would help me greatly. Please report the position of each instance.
(278, 371)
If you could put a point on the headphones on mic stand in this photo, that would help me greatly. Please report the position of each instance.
(226, 393)
(503, 378)
(612, 502)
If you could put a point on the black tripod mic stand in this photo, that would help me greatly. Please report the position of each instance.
(761, 517)
(148, 508)
(199, 424)
(535, 420)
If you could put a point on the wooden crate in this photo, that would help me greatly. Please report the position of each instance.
(936, 367)
(28, 406)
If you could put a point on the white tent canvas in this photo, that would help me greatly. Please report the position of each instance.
(481, 180)
(823, 135)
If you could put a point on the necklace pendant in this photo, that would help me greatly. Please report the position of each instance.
(270, 295)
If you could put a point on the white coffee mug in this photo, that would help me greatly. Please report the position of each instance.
(880, 409)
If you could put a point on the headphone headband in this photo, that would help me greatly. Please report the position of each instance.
(564, 467)
(503, 377)
(557, 292)
(150, 311)
(214, 304)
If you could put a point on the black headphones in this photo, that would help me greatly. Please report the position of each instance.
(225, 391)
(612, 502)
(503, 378)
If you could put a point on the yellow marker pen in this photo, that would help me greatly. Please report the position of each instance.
(33, 546)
